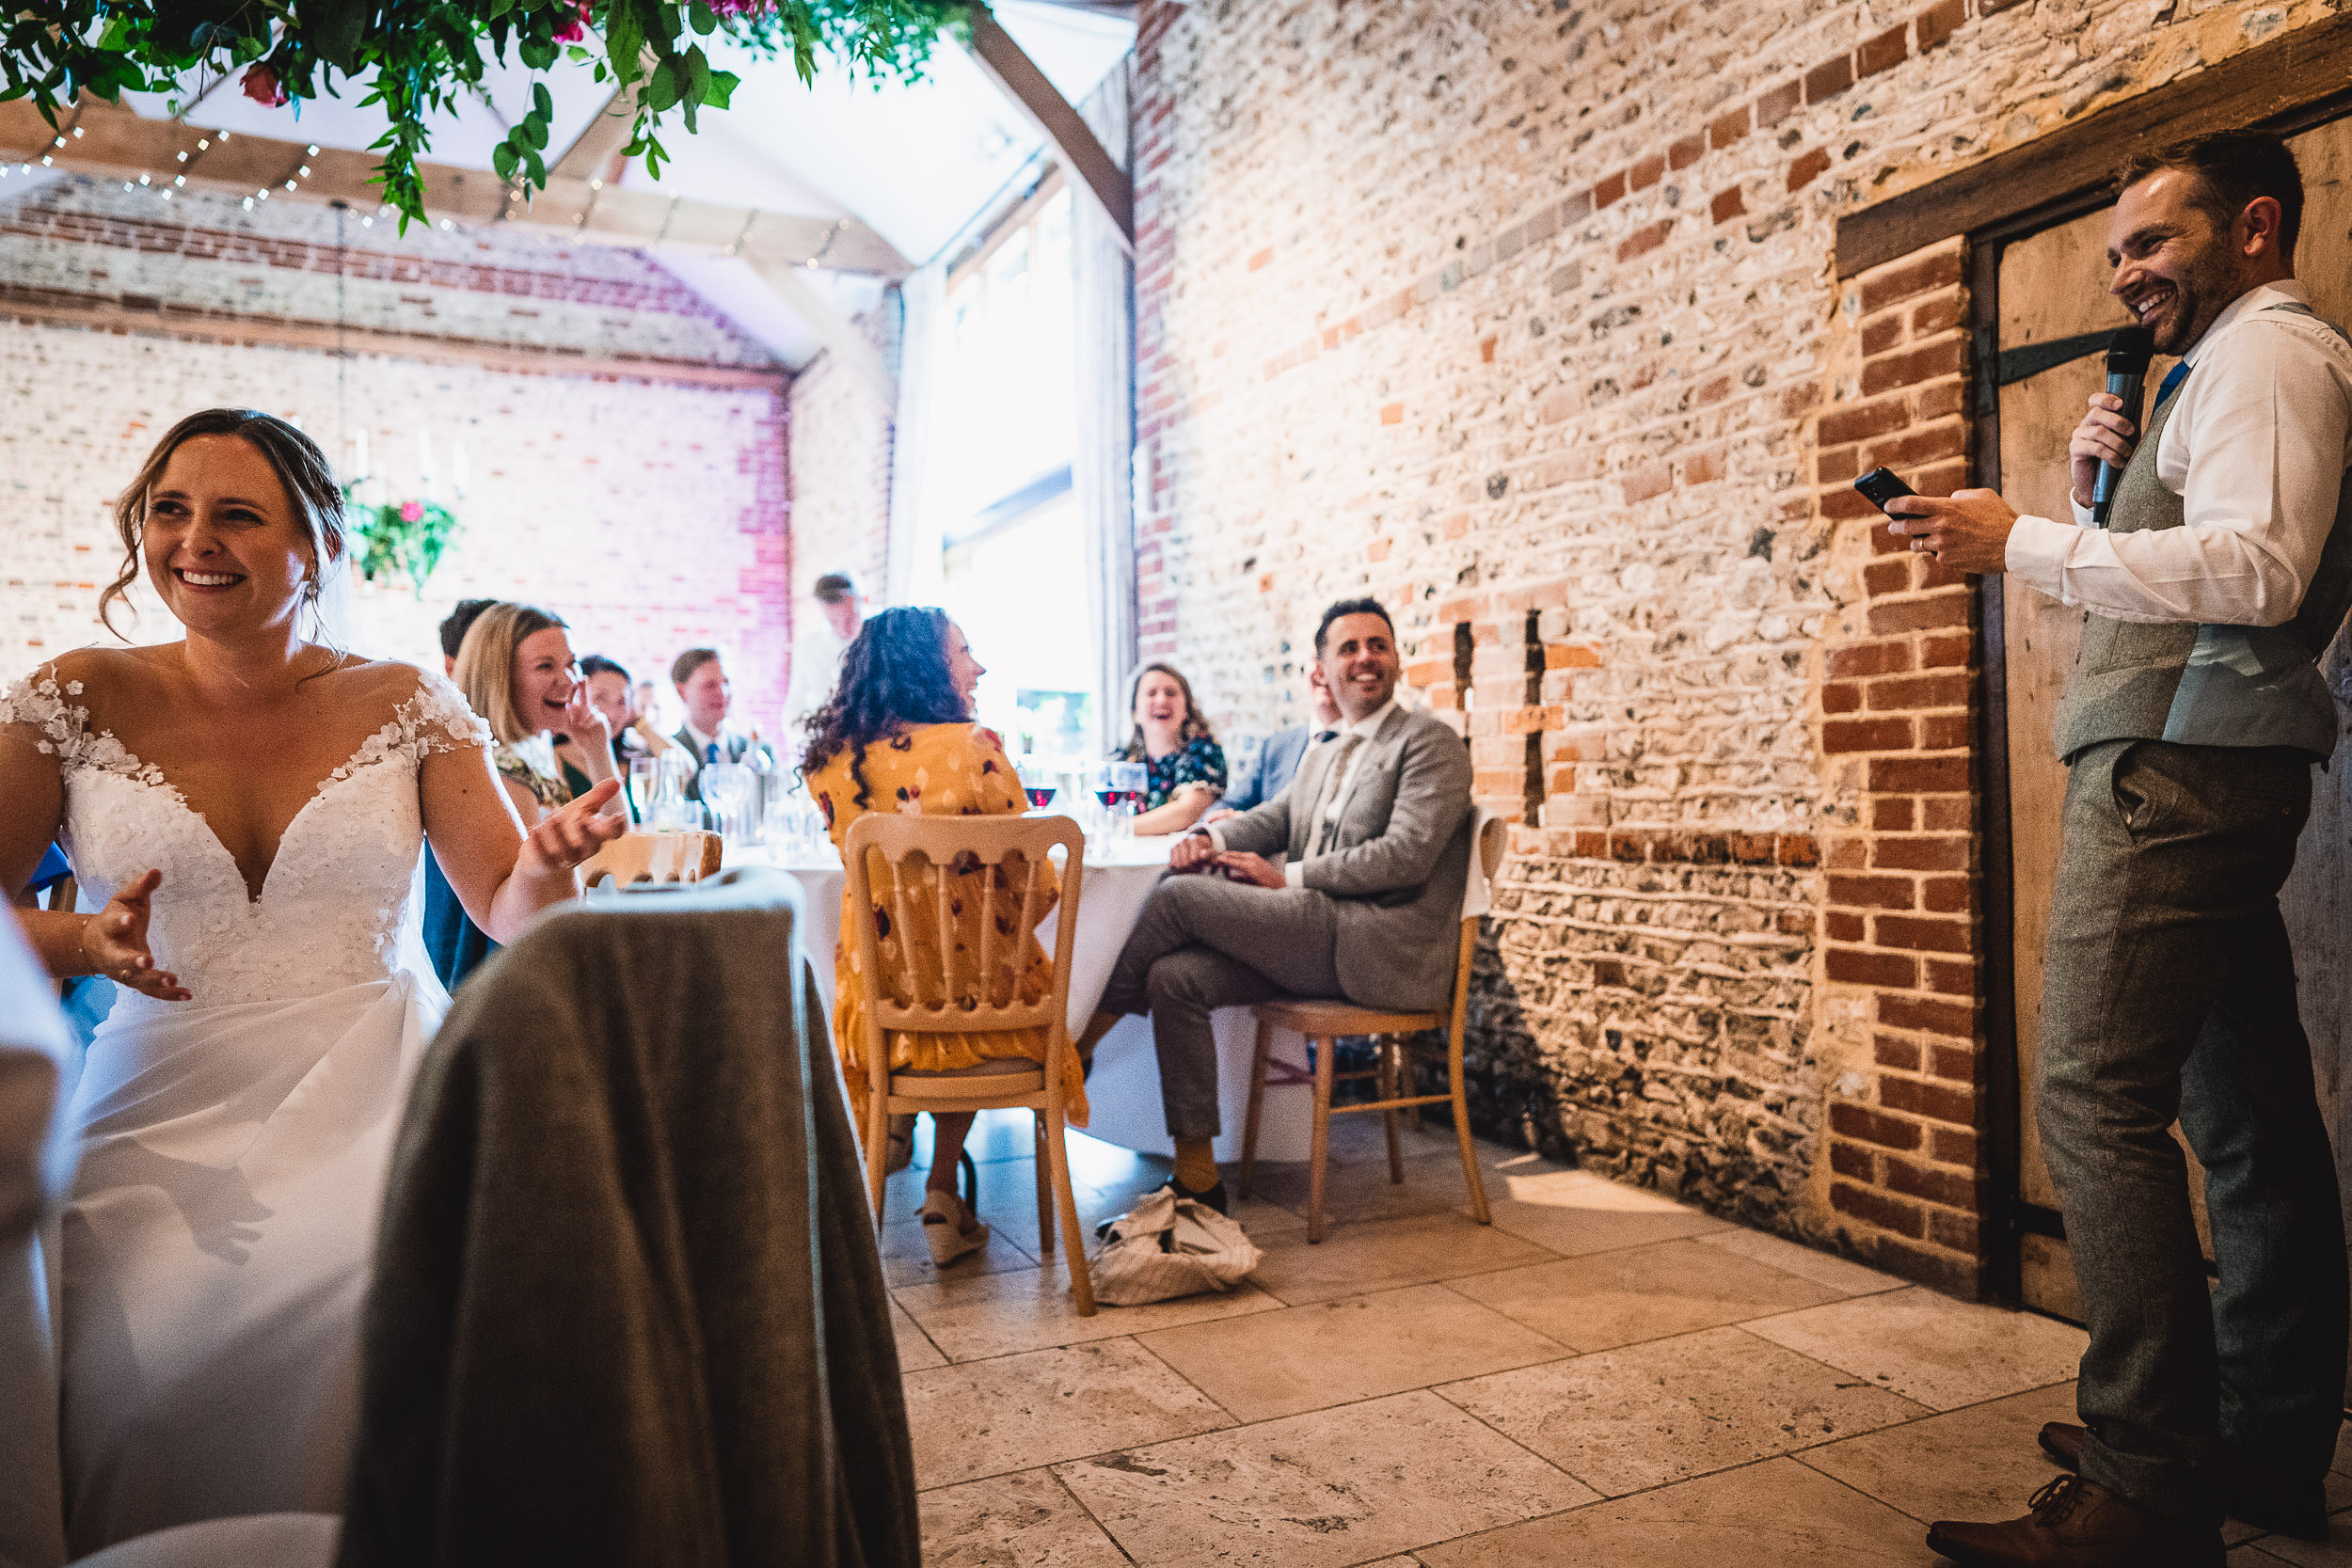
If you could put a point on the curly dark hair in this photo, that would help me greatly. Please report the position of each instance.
(893, 677)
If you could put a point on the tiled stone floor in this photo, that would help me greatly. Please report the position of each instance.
(1601, 1379)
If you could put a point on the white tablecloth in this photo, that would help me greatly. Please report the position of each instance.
(1125, 1090)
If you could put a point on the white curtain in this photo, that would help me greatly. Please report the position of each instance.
(913, 572)
(1104, 288)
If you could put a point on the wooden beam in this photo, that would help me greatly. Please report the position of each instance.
(148, 317)
(596, 152)
(837, 332)
(2294, 80)
(120, 143)
(1010, 67)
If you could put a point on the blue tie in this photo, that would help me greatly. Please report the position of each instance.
(2172, 382)
(710, 753)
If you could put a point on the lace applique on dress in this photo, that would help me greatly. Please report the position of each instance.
(40, 702)
(434, 719)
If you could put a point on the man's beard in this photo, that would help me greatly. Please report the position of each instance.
(2205, 280)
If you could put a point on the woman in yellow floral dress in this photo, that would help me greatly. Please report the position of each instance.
(898, 735)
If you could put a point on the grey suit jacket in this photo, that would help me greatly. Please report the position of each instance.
(1276, 763)
(1397, 871)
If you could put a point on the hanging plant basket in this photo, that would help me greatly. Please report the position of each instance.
(400, 539)
(418, 57)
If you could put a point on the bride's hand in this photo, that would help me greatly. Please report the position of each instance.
(567, 837)
(114, 942)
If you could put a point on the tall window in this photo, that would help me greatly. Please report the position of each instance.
(1014, 567)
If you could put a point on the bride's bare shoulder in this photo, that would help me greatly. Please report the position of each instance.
(100, 667)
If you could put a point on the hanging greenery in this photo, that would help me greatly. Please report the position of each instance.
(418, 57)
(405, 537)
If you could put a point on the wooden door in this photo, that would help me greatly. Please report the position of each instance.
(2052, 311)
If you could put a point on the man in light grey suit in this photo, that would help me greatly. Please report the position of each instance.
(1348, 883)
(1279, 757)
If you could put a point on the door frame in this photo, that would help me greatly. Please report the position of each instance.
(2006, 1216)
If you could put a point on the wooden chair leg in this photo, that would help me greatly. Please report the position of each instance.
(1472, 1173)
(1044, 1189)
(1322, 1144)
(877, 1153)
(1066, 1197)
(1257, 1099)
(1389, 1091)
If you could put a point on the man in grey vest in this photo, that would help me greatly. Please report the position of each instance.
(1348, 883)
(2189, 725)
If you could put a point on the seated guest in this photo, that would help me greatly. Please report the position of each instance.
(1348, 883)
(615, 696)
(1184, 766)
(454, 627)
(514, 667)
(898, 736)
(701, 679)
(1277, 758)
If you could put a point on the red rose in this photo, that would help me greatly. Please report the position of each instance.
(262, 85)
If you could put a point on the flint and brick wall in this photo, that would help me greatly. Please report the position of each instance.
(651, 513)
(842, 447)
(1524, 316)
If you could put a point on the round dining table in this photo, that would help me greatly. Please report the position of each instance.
(1124, 1088)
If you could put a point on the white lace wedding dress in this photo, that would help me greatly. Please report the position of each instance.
(211, 1261)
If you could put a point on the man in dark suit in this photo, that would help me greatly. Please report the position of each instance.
(1348, 883)
(1279, 757)
(702, 683)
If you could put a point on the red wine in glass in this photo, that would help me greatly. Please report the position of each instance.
(1041, 798)
(1113, 798)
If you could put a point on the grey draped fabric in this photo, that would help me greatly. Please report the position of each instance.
(629, 1309)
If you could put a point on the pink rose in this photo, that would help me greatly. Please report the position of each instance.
(576, 28)
(262, 85)
(412, 512)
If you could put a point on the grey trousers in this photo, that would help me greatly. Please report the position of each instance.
(1204, 944)
(2170, 993)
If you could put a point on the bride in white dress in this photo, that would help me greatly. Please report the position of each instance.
(251, 803)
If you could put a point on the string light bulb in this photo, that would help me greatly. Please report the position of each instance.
(315, 151)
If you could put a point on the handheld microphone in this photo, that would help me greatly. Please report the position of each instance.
(2128, 353)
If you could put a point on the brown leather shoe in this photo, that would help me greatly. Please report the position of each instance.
(2266, 1503)
(2079, 1524)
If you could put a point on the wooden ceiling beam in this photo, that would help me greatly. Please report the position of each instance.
(120, 143)
(596, 152)
(1006, 64)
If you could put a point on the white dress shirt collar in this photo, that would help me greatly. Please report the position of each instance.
(2260, 298)
(1368, 725)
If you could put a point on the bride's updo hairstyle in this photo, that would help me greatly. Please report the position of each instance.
(893, 676)
(485, 665)
(302, 470)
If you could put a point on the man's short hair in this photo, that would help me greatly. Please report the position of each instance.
(682, 668)
(455, 625)
(2232, 168)
(1351, 606)
(835, 588)
(597, 664)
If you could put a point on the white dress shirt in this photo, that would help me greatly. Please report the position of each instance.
(2256, 448)
(1367, 726)
(817, 655)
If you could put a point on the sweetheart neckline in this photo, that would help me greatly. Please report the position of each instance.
(147, 776)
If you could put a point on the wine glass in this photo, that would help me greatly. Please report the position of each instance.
(729, 787)
(645, 782)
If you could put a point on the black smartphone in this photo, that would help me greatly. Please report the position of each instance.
(1881, 485)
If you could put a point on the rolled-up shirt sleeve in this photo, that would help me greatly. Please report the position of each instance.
(2266, 415)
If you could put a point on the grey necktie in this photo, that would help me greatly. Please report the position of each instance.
(1327, 831)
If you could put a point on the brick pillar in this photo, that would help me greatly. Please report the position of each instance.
(1900, 925)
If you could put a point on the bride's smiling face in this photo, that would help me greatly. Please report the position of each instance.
(545, 677)
(223, 542)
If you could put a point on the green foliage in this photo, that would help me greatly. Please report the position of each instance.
(416, 57)
(391, 542)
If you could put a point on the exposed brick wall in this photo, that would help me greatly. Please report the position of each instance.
(1524, 317)
(843, 441)
(650, 514)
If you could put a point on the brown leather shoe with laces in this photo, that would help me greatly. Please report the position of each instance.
(2266, 1502)
(2075, 1523)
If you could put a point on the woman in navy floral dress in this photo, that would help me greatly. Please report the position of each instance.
(1183, 765)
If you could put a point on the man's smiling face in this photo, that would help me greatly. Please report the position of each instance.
(2175, 268)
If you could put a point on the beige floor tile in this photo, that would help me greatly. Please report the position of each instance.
(1616, 1298)
(997, 1314)
(1333, 1353)
(1974, 1463)
(1943, 1353)
(1360, 1189)
(1624, 1420)
(1320, 1490)
(1354, 1259)
(1576, 1212)
(916, 1350)
(1020, 1521)
(1776, 1514)
(1020, 1412)
(1823, 1268)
